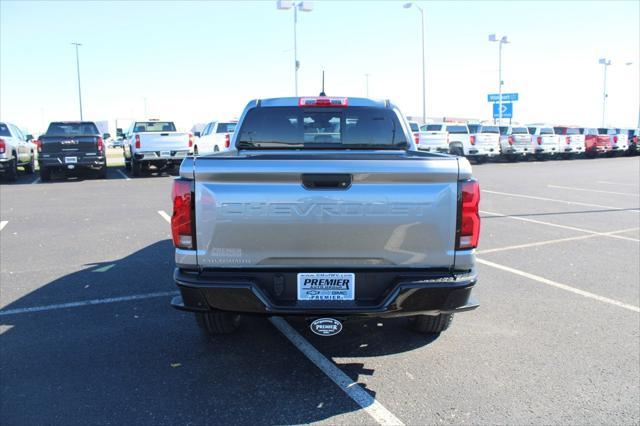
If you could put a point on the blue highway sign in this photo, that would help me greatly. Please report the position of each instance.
(507, 110)
(506, 97)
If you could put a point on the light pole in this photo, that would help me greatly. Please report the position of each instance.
(424, 88)
(303, 6)
(78, 67)
(502, 40)
(605, 62)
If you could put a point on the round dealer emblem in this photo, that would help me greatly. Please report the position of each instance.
(326, 327)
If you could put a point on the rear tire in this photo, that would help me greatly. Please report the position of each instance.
(12, 172)
(45, 174)
(217, 322)
(127, 165)
(195, 150)
(136, 167)
(30, 168)
(431, 324)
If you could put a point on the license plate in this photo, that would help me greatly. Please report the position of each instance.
(70, 160)
(326, 286)
(165, 153)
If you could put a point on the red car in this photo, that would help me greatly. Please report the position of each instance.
(595, 143)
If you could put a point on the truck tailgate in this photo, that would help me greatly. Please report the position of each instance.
(393, 211)
(165, 141)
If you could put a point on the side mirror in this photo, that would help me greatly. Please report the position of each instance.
(106, 135)
(197, 134)
(29, 138)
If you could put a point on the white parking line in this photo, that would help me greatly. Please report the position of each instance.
(368, 403)
(3, 223)
(35, 181)
(572, 188)
(606, 182)
(632, 210)
(87, 303)
(559, 240)
(572, 228)
(164, 215)
(560, 286)
(123, 175)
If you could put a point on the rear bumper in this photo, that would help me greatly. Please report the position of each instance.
(377, 293)
(161, 156)
(83, 162)
(434, 148)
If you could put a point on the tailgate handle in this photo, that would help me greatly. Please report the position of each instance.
(326, 181)
(164, 134)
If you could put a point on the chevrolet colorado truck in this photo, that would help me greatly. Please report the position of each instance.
(71, 146)
(324, 209)
(154, 143)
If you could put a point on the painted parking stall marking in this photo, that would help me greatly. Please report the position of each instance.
(576, 203)
(572, 188)
(164, 215)
(121, 173)
(560, 286)
(571, 228)
(3, 223)
(368, 403)
(87, 303)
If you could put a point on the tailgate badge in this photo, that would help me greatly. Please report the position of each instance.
(326, 326)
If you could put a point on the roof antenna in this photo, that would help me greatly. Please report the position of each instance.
(322, 93)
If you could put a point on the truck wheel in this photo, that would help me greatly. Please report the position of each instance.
(195, 150)
(127, 165)
(431, 324)
(456, 150)
(136, 167)
(45, 174)
(31, 166)
(217, 322)
(12, 171)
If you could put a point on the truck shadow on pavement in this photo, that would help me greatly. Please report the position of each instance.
(137, 360)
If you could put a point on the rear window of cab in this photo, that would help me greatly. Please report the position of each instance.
(458, 129)
(321, 128)
(71, 129)
(414, 126)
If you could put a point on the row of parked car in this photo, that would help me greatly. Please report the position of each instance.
(157, 145)
(482, 141)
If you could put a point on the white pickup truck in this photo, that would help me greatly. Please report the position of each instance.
(215, 137)
(155, 143)
(434, 137)
(484, 138)
(324, 209)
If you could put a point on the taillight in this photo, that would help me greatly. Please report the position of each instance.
(190, 140)
(539, 140)
(227, 140)
(416, 138)
(38, 144)
(182, 229)
(472, 139)
(468, 231)
(100, 144)
(3, 146)
(568, 140)
(510, 139)
(615, 139)
(137, 141)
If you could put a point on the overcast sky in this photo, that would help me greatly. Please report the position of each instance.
(195, 62)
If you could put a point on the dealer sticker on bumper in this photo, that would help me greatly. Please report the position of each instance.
(326, 286)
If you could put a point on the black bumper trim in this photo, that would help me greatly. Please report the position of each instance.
(427, 295)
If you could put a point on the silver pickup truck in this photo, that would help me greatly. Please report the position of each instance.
(325, 209)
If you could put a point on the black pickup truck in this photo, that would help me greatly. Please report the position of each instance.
(71, 146)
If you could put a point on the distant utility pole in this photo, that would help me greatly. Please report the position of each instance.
(78, 67)
(303, 6)
(605, 62)
(145, 108)
(366, 76)
(424, 79)
(500, 40)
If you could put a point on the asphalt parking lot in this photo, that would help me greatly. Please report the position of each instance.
(88, 336)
